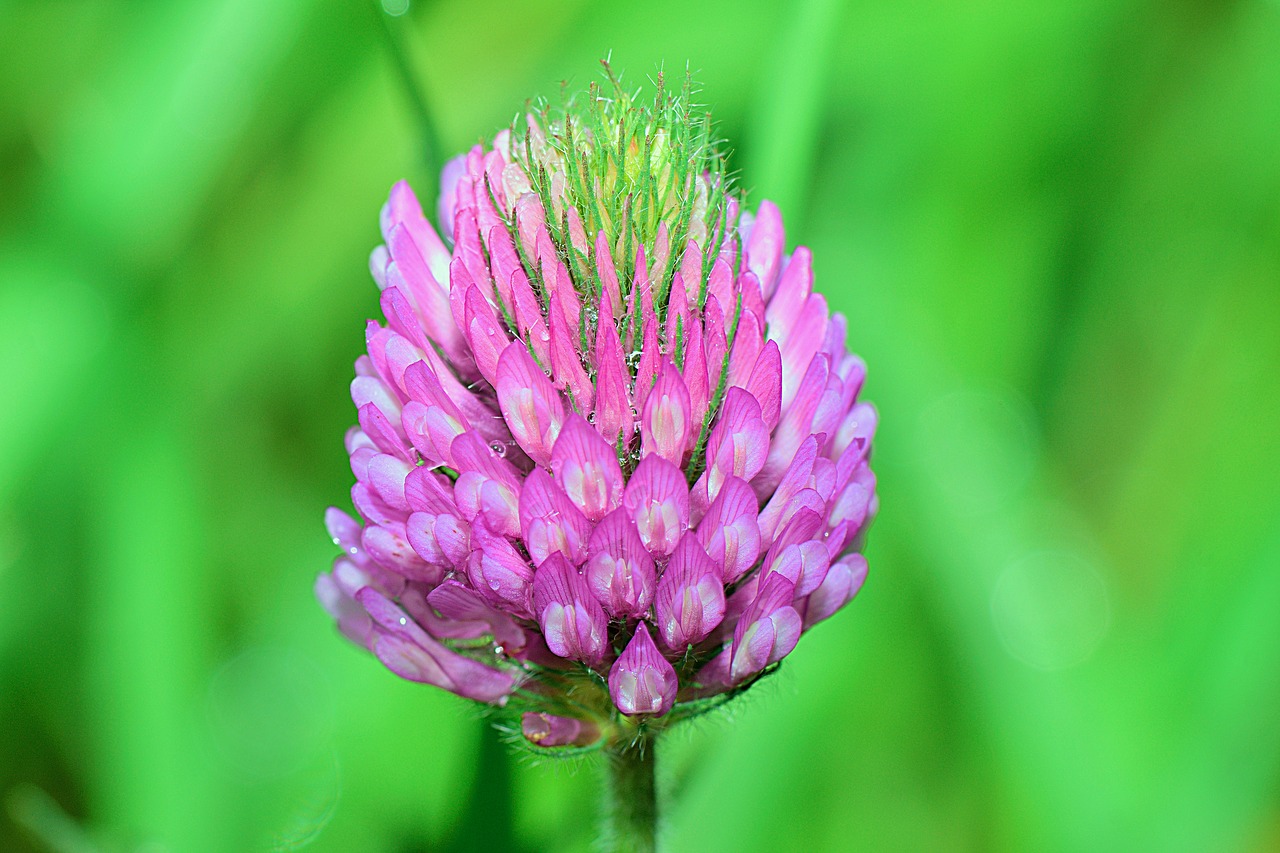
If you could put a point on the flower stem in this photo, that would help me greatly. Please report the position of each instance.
(633, 801)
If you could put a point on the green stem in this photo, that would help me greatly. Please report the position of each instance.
(633, 801)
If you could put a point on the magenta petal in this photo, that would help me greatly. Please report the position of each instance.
(657, 499)
(456, 601)
(428, 535)
(499, 573)
(804, 565)
(427, 491)
(369, 390)
(802, 343)
(841, 584)
(390, 548)
(413, 600)
(572, 621)
(433, 663)
(352, 620)
(485, 334)
(612, 403)
(696, 381)
(487, 485)
(689, 602)
(745, 352)
(527, 415)
(411, 653)
(371, 507)
(855, 432)
(423, 384)
(587, 468)
(532, 407)
(765, 383)
(448, 206)
(857, 502)
(620, 572)
(763, 252)
(650, 360)
(794, 288)
(730, 531)
(550, 522)
(767, 631)
(804, 526)
(739, 442)
(387, 477)
(667, 419)
(641, 680)
(677, 325)
(343, 530)
(381, 431)
(716, 342)
(611, 294)
(785, 487)
(566, 363)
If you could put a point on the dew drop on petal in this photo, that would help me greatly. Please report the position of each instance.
(498, 448)
(403, 621)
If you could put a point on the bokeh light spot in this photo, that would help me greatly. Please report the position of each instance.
(1051, 609)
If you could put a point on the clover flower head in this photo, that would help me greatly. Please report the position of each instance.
(611, 461)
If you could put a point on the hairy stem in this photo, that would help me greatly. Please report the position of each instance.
(633, 803)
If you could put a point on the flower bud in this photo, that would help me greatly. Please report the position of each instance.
(642, 681)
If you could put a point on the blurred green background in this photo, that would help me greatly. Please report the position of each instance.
(1055, 230)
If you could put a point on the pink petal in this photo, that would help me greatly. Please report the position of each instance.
(763, 251)
(587, 468)
(689, 602)
(411, 653)
(499, 573)
(730, 531)
(739, 442)
(641, 680)
(572, 622)
(657, 499)
(566, 364)
(531, 406)
(667, 420)
(462, 603)
(620, 572)
(550, 522)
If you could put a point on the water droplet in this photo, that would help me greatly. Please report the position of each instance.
(591, 418)
(498, 448)
(337, 541)
(403, 621)
(635, 413)
(636, 426)
(498, 650)
(493, 585)
(544, 335)
(354, 550)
